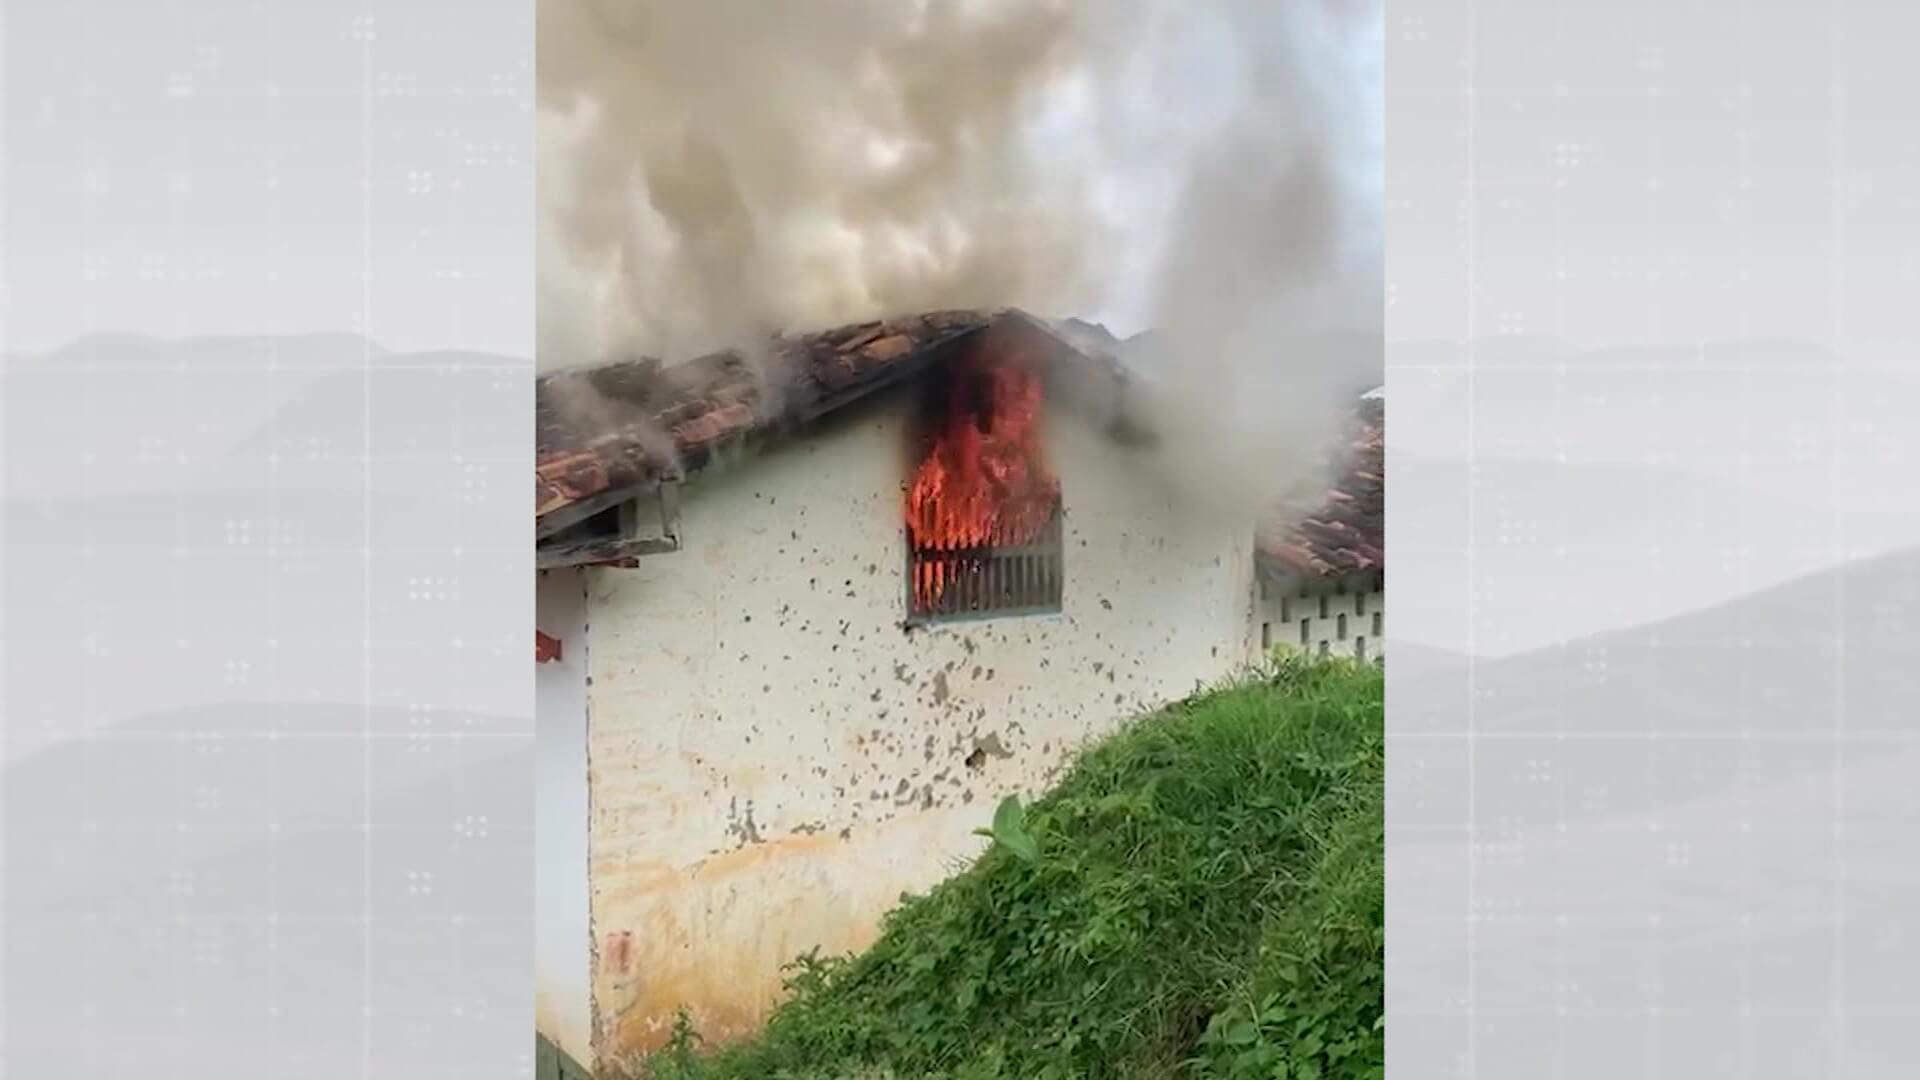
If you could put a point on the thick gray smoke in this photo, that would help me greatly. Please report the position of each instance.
(1265, 291)
(715, 171)
(1208, 168)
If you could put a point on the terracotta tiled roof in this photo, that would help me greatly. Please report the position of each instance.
(1345, 533)
(632, 423)
(627, 425)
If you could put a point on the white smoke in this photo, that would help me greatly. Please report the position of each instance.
(1265, 290)
(719, 170)
(714, 171)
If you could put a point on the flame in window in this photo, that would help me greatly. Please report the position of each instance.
(984, 481)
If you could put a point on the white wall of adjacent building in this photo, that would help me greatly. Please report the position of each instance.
(774, 759)
(1325, 619)
(562, 940)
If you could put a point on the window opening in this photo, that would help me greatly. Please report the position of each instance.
(983, 509)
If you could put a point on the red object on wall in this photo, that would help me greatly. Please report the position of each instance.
(545, 648)
(617, 954)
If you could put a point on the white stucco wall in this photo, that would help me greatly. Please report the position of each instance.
(562, 939)
(1322, 620)
(774, 759)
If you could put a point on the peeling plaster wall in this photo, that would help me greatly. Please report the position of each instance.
(774, 760)
(1322, 620)
(561, 935)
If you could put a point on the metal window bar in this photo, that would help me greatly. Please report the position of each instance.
(986, 580)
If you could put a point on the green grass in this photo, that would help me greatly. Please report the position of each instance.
(1201, 896)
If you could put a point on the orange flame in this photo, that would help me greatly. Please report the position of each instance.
(985, 481)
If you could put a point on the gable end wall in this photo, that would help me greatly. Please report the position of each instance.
(774, 759)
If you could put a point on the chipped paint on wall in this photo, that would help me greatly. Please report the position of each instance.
(774, 757)
(719, 930)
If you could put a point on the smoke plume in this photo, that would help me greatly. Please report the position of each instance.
(717, 171)
(712, 172)
(1265, 290)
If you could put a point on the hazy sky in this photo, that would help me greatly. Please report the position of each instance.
(139, 144)
(162, 179)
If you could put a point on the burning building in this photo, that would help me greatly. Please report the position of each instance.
(775, 695)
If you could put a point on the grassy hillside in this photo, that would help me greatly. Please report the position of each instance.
(1201, 896)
